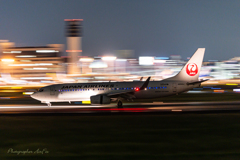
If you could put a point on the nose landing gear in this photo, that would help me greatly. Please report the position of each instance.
(49, 104)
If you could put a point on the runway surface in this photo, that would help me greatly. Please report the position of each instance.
(158, 107)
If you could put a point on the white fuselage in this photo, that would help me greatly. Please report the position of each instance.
(83, 91)
(103, 93)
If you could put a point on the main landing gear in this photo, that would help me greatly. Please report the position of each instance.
(119, 104)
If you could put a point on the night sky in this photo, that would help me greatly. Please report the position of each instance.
(149, 27)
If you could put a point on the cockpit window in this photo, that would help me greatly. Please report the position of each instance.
(40, 90)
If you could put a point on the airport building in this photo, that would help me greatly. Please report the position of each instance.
(32, 63)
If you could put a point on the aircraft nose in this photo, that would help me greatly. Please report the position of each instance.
(33, 95)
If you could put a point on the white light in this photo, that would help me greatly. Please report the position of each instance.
(16, 51)
(40, 68)
(146, 60)
(24, 56)
(37, 64)
(236, 90)
(36, 78)
(98, 65)
(121, 60)
(108, 58)
(7, 60)
(25, 61)
(100, 77)
(86, 59)
(159, 61)
(28, 93)
(44, 64)
(21, 65)
(12, 52)
(45, 51)
(47, 81)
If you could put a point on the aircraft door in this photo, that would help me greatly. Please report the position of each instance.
(52, 90)
(174, 87)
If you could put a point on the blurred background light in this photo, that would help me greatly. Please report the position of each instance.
(7, 60)
(108, 58)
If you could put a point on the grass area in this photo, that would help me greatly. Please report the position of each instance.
(193, 97)
(175, 136)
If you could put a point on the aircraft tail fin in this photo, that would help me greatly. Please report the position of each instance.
(190, 72)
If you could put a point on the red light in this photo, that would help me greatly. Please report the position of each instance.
(137, 89)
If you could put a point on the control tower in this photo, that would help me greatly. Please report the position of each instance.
(74, 44)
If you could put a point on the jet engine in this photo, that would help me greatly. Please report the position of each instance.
(100, 99)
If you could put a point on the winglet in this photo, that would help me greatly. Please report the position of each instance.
(145, 84)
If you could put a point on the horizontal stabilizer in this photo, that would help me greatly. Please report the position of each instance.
(196, 82)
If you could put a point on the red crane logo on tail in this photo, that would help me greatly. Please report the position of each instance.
(192, 69)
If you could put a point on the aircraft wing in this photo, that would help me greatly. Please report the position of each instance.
(119, 93)
(129, 94)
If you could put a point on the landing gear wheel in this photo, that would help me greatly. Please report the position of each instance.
(119, 104)
(49, 104)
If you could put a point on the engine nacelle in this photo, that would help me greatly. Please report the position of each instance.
(100, 99)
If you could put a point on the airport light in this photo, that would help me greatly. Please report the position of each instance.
(35, 64)
(98, 65)
(40, 68)
(46, 51)
(109, 58)
(7, 60)
(25, 56)
(12, 52)
(28, 93)
(32, 78)
(145, 60)
(86, 59)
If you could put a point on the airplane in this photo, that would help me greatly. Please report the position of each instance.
(107, 92)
